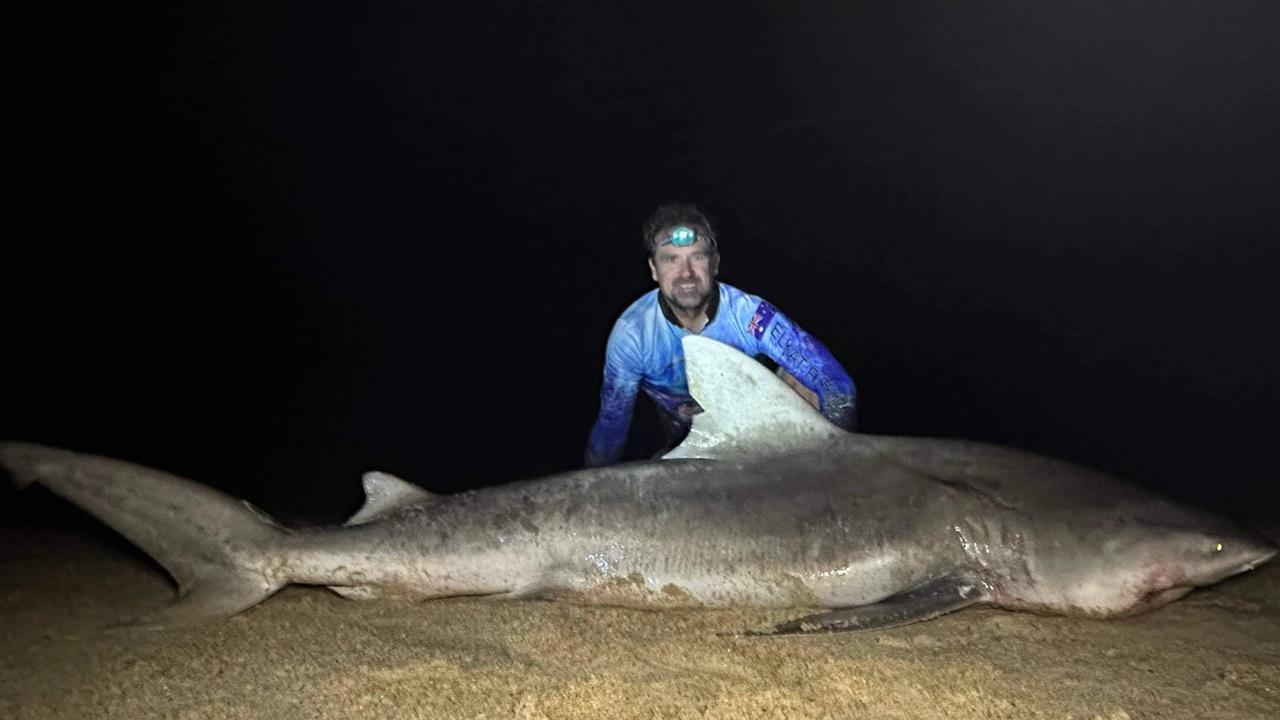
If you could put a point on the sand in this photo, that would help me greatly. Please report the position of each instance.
(307, 653)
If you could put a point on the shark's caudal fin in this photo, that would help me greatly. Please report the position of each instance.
(746, 408)
(216, 547)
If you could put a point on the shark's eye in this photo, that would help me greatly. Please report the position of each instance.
(1217, 547)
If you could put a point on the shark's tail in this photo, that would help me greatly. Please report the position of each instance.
(219, 549)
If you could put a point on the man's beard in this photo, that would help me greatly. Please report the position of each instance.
(699, 300)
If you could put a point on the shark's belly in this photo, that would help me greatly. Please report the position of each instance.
(828, 569)
(777, 586)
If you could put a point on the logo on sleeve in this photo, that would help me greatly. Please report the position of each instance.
(760, 320)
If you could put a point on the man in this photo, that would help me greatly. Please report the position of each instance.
(644, 350)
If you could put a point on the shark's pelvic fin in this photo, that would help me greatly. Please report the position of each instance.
(385, 493)
(746, 408)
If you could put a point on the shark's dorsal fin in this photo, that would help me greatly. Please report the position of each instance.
(746, 408)
(385, 493)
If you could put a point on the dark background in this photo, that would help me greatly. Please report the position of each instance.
(270, 246)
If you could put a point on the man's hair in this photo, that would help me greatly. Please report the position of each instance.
(677, 213)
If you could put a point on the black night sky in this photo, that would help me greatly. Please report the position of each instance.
(270, 246)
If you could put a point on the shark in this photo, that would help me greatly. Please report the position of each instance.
(764, 504)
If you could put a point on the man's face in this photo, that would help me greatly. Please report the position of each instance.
(684, 274)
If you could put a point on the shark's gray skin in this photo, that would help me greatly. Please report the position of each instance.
(765, 504)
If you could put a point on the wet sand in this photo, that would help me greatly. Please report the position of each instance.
(307, 653)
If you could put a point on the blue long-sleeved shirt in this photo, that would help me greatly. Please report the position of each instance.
(644, 353)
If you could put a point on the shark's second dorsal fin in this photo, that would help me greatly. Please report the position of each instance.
(385, 493)
(746, 408)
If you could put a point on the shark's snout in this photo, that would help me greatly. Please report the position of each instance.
(1265, 555)
(1251, 551)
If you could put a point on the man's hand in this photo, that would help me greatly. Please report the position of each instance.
(688, 410)
(809, 396)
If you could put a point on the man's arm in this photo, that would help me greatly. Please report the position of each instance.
(809, 362)
(617, 399)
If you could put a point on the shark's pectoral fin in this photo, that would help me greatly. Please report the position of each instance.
(214, 596)
(924, 602)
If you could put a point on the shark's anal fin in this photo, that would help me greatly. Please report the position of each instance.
(925, 602)
(358, 592)
(384, 494)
